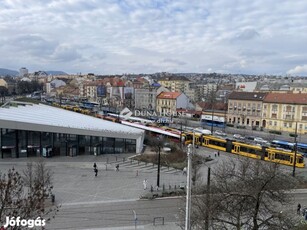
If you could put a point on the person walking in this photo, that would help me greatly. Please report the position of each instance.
(95, 166)
(184, 171)
(145, 184)
(299, 209)
(96, 171)
(117, 167)
(218, 153)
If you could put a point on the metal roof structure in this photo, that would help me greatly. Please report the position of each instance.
(44, 118)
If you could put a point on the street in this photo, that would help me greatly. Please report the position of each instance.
(117, 214)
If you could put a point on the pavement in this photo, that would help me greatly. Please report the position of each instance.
(74, 179)
(75, 184)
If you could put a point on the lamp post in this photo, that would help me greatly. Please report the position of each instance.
(158, 173)
(295, 150)
(188, 198)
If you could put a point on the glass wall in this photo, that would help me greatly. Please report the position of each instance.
(22, 143)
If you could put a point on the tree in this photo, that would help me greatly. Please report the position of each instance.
(3, 93)
(244, 194)
(25, 196)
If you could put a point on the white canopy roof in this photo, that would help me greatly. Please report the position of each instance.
(39, 117)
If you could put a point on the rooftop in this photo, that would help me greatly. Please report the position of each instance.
(39, 117)
(168, 95)
(287, 98)
(250, 96)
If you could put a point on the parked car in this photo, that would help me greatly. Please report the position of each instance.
(220, 133)
(238, 136)
(260, 140)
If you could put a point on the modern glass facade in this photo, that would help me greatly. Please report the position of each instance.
(21, 143)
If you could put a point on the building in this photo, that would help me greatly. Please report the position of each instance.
(285, 112)
(169, 102)
(245, 109)
(175, 83)
(23, 72)
(39, 130)
(146, 98)
(3, 83)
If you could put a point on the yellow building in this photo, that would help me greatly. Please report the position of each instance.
(3, 83)
(175, 83)
(285, 112)
(169, 102)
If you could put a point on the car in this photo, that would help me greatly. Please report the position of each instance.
(238, 136)
(260, 140)
(220, 133)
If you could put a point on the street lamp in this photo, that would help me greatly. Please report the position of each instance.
(295, 150)
(188, 198)
(158, 173)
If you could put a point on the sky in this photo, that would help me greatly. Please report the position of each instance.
(149, 36)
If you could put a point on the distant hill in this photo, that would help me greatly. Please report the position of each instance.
(54, 72)
(4, 72)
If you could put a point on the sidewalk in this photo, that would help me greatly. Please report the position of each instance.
(75, 183)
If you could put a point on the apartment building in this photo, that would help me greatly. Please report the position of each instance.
(146, 98)
(169, 102)
(245, 108)
(175, 83)
(285, 112)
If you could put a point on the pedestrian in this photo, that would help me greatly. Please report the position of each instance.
(117, 167)
(218, 153)
(95, 166)
(184, 171)
(299, 209)
(96, 171)
(145, 184)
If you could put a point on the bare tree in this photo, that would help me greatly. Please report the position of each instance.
(244, 194)
(24, 196)
(37, 176)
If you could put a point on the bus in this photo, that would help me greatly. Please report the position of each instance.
(217, 121)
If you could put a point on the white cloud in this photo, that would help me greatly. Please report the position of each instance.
(134, 36)
(298, 70)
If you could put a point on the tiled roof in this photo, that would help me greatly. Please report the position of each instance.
(168, 95)
(250, 96)
(287, 98)
(174, 78)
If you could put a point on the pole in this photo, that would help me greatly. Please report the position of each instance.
(188, 197)
(181, 135)
(208, 200)
(295, 150)
(158, 173)
(212, 115)
(135, 218)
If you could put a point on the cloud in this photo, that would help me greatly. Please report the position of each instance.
(298, 70)
(173, 61)
(247, 34)
(134, 36)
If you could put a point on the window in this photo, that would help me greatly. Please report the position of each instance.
(270, 123)
(285, 124)
(274, 108)
(275, 123)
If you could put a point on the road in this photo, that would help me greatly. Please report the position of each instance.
(118, 215)
(245, 132)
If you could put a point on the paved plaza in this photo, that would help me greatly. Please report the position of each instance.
(75, 182)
